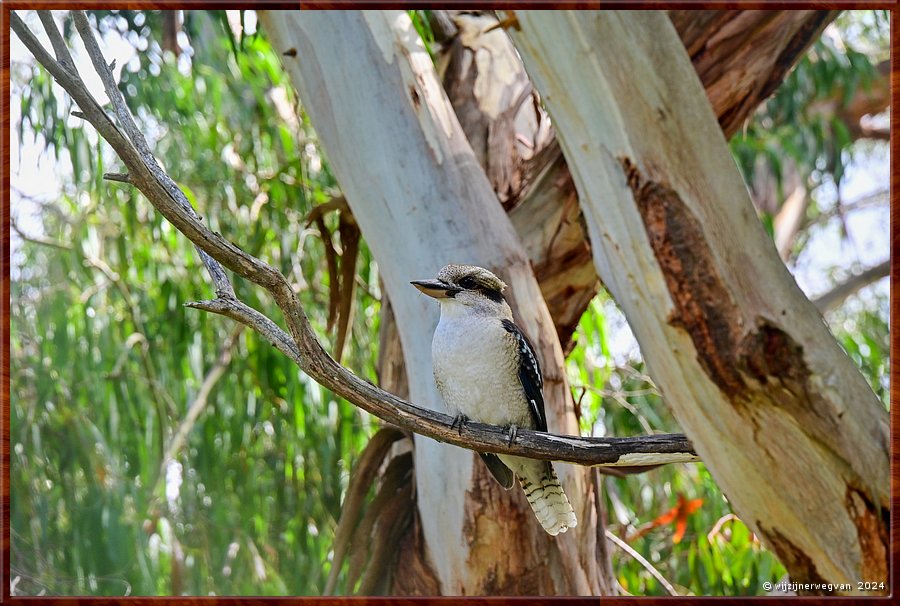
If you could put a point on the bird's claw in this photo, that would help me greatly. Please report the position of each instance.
(458, 423)
(513, 432)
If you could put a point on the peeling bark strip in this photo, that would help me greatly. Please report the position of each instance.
(499, 551)
(792, 473)
(769, 352)
(746, 361)
(798, 562)
(731, 353)
(703, 306)
(872, 523)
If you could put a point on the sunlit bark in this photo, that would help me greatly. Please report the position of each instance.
(421, 201)
(784, 420)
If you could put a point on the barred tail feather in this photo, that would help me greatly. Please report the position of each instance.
(549, 502)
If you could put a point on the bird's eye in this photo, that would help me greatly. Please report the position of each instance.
(468, 282)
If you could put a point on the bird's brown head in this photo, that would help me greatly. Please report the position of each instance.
(455, 279)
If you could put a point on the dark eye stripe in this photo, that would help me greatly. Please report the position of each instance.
(487, 289)
(494, 295)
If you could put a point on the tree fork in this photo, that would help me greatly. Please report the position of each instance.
(303, 347)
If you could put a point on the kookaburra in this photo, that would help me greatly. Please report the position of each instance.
(486, 370)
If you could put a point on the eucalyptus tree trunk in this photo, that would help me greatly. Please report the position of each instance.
(740, 56)
(786, 423)
(421, 201)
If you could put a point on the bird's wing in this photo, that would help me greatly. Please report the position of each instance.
(498, 469)
(529, 375)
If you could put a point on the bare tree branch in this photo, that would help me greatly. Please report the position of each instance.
(56, 40)
(37, 240)
(834, 297)
(670, 589)
(878, 198)
(118, 177)
(301, 345)
(241, 312)
(198, 405)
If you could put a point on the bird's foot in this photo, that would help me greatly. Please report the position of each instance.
(458, 422)
(513, 431)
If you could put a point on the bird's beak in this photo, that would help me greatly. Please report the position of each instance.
(435, 289)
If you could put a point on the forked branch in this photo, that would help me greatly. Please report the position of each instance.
(300, 343)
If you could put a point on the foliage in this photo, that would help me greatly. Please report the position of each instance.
(420, 20)
(792, 127)
(718, 555)
(106, 361)
(861, 327)
(802, 129)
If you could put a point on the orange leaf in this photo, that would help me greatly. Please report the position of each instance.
(666, 518)
(692, 506)
(685, 508)
(680, 527)
(678, 514)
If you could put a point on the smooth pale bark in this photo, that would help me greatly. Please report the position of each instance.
(740, 56)
(421, 201)
(786, 423)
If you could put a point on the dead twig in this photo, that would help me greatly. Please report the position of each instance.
(834, 297)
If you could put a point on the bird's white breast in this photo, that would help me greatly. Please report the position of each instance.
(476, 368)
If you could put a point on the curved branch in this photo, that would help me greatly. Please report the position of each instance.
(301, 345)
(313, 359)
(643, 562)
(834, 297)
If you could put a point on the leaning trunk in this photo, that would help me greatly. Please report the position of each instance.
(786, 423)
(740, 56)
